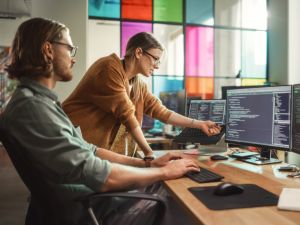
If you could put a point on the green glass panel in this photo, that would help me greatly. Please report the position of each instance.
(168, 10)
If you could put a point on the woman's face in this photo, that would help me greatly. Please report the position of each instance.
(150, 60)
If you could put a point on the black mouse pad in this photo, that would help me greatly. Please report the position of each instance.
(252, 196)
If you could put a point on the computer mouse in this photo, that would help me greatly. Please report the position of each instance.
(226, 188)
(218, 157)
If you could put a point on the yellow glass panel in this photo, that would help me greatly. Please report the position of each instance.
(247, 82)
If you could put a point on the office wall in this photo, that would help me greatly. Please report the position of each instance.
(284, 45)
(294, 42)
(73, 13)
(278, 41)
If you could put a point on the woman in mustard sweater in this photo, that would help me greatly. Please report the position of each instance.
(109, 102)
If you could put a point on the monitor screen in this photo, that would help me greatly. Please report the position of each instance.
(259, 117)
(213, 110)
(148, 123)
(296, 119)
(226, 88)
(174, 100)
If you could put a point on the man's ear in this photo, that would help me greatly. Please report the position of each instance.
(138, 52)
(48, 50)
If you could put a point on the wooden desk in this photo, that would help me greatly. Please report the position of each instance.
(163, 142)
(267, 177)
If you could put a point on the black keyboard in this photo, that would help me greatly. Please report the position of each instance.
(204, 176)
(195, 135)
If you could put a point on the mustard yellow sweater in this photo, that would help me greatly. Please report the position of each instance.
(101, 101)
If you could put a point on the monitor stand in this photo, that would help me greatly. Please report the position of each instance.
(263, 159)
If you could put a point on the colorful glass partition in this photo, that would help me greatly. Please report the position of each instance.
(208, 43)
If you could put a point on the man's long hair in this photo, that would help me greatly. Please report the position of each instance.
(28, 57)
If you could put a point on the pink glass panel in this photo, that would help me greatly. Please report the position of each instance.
(131, 28)
(199, 51)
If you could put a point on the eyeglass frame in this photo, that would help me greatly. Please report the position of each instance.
(72, 49)
(157, 61)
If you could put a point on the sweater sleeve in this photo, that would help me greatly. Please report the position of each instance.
(153, 106)
(110, 94)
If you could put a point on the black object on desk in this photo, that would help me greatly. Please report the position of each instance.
(218, 157)
(252, 196)
(226, 188)
(194, 135)
(204, 176)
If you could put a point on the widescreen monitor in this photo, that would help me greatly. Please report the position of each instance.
(188, 102)
(296, 119)
(213, 110)
(174, 100)
(259, 117)
(226, 88)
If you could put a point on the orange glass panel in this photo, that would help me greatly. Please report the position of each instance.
(137, 9)
(203, 87)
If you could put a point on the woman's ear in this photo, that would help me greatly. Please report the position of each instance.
(48, 50)
(138, 52)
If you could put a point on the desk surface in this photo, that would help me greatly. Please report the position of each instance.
(159, 140)
(267, 177)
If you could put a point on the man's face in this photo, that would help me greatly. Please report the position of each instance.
(62, 60)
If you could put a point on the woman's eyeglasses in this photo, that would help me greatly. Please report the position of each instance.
(156, 59)
(71, 48)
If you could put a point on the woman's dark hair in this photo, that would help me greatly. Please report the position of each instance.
(28, 57)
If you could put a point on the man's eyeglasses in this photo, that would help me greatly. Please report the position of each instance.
(156, 59)
(71, 48)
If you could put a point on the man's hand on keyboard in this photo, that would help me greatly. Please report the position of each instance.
(178, 168)
(170, 156)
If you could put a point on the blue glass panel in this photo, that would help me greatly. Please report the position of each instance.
(166, 83)
(104, 8)
(254, 54)
(199, 12)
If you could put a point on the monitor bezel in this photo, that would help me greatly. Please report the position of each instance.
(261, 145)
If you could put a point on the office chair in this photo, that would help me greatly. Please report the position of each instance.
(46, 206)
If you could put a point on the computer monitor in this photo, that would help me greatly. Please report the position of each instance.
(148, 123)
(226, 88)
(174, 100)
(296, 119)
(213, 110)
(259, 117)
(188, 102)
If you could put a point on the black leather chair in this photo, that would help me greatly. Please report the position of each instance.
(46, 206)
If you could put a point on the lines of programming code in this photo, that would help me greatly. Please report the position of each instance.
(213, 110)
(296, 119)
(259, 116)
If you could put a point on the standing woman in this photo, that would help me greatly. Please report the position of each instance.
(109, 102)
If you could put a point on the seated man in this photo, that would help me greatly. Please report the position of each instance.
(42, 54)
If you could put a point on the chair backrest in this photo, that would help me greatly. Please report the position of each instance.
(43, 194)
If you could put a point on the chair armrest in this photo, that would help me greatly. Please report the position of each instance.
(86, 201)
(138, 195)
